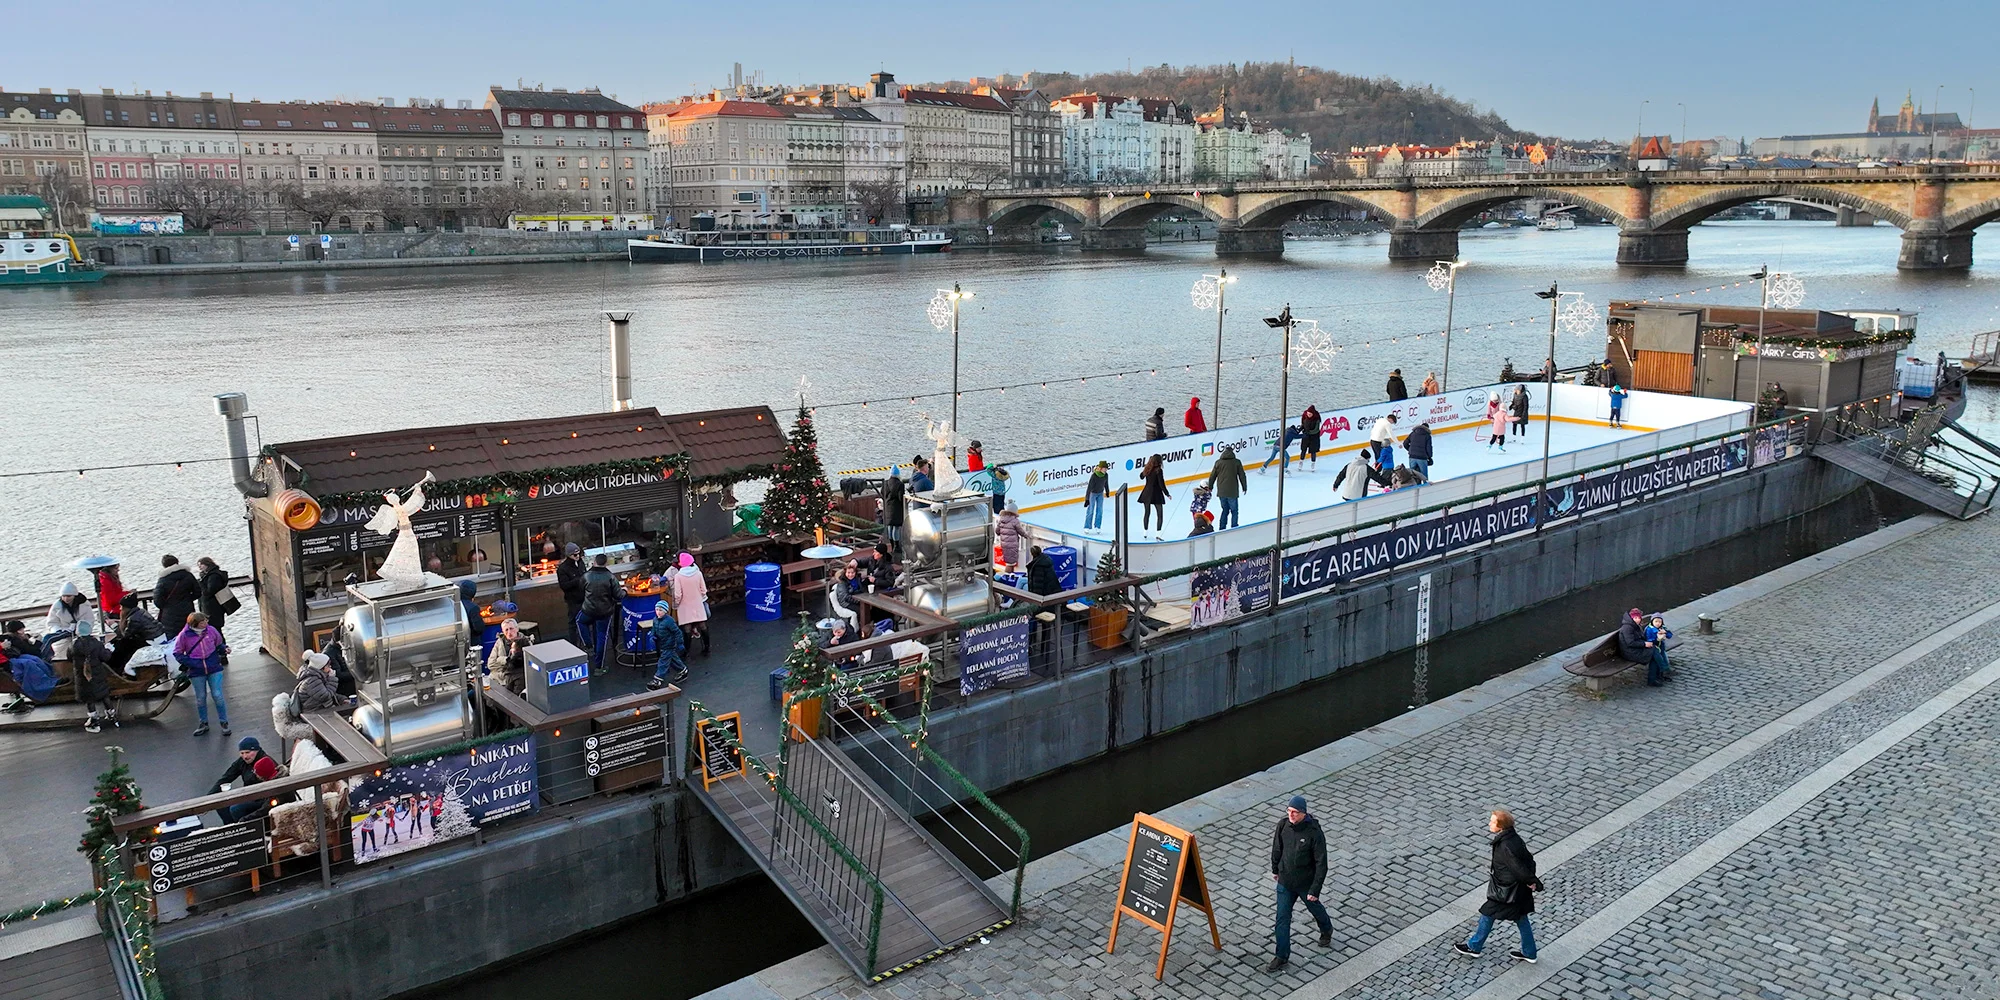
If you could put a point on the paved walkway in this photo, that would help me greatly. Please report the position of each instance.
(1803, 812)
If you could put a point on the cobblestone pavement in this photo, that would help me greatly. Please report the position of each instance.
(1874, 888)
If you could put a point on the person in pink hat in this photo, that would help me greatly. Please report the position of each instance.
(691, 601)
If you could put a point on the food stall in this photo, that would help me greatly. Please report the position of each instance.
(629, 484)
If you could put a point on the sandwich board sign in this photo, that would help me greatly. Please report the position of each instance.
(721, 742)
(1162, 873)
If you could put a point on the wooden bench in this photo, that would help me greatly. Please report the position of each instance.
(343, 739)
(804, 578)
(1603, 662)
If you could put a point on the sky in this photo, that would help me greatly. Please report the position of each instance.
(1745, 68)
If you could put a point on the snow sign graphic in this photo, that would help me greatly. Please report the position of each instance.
(442, 798)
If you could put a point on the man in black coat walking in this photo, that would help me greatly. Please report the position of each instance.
(1298, 865)
(174, 594)
(1510, 890)
(569, 580)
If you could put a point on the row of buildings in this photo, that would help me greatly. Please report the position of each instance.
(831, 155)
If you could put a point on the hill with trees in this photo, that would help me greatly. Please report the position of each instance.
(1339, 110)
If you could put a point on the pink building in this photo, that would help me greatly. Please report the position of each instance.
(138, 140)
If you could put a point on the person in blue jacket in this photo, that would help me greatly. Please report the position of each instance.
(667, 638)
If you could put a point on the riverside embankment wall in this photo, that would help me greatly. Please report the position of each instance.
(395, 927)
(177, 254)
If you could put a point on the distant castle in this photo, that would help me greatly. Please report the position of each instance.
(1907, 121)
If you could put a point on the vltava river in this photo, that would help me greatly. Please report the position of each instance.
(124, 371)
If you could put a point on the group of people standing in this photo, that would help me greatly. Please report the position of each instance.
(595, 601)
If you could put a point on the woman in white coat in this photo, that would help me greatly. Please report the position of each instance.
(60, 628)
(691, 602)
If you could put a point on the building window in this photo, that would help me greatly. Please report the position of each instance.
(538, 140)
(513, 118)
(541, 183)
(97, 169)
(560, 122)
(312, 172)
(535, 120)
(604, 121)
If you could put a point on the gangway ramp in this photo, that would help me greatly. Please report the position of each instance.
(875, 884)
(1948, 468)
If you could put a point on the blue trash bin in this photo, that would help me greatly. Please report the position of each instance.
(1064, 558)
(763, 598)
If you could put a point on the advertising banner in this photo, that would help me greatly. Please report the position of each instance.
(420, 804)
(993, 653)
(1608, 488)
(1225, 593)
(1338, 561)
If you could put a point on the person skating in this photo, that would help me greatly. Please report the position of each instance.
(975, 457)
(1204, 524)
(1382, 437)
(1309, 431)
(1281, 451)
(1510, 889)
(1008, 535)
(1153, 497)
(1192, 419)
(1618, 395)
(1517, 411)
(198, 649)
(1156, 425)
(690, 592)
(1418, 447)
(603, 598)
(1298, 866)
(218, 602)
(569, 579)
(671, 643)
(1396, 388)
(1496, 415)
(176, 593)
(1352, 481)
(1094, 493)
(1226, 478)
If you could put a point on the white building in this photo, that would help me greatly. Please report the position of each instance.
(1109, 139)
(583, 150)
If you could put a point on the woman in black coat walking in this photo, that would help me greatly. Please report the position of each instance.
(1510, 889)
(1517, 409)
(1153, 497)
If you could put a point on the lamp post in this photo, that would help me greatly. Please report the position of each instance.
(1573, 313)
(1935, 100)
(1790, 291)
(1443, 276)
(943, 313)
(1316, 351)
(1212, 291)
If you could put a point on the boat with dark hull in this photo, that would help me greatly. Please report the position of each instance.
(710, 246)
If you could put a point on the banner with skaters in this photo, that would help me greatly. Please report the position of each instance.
(445, 797)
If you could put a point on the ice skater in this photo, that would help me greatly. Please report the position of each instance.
(1497, 416)
(1280, 452)
(1153, 498)
(1618, 395)
(1517, 408)
(1309, 431)
(367, 830)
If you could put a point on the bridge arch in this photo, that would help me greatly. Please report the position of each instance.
(1967, 219)
(1024, 211)
(1686, 214)
(1276, 212)
(1454, 213)
(1139, 210)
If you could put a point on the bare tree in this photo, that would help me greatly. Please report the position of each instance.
(204, 203)
(492, 206)
(322, 206)
(68, 195)
(877, 201)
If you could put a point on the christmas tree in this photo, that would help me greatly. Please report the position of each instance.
(117, 795)
(798, 501)
(805, 669)
(454, 821)
(1108, 568)
(1507, 373)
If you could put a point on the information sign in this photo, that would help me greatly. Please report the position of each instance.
(1162, 873)
(635, 742)
(721, 747)
(217, 852)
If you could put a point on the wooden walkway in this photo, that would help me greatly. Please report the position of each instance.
(931, 902)
(73, 970)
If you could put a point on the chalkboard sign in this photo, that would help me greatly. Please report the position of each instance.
(1162, 873)
(213, 853)
(721, 739)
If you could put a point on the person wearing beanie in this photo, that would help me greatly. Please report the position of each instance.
(569, 579)
(71, 607)
(669, 640)
(243, 770)
(689, 590)
(1192, 419)
(1094, 492)
(975, 457)
(1156, 425)
(1009, 534)
(1298, 866)
(175, 594)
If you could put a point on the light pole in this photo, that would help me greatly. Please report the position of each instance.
(1212, 291)
(1578, 317)
(1935, 100)
(943, 314)
(1443, 276)
(1790, 291)
(1284, 322)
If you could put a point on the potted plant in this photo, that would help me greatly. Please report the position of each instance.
(806, 670)
(1109, 611)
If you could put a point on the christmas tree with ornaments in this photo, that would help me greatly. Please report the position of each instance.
(799, 499)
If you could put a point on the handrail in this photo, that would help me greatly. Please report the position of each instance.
(128, 918)
(698, 712)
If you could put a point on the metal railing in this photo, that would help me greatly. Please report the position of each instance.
(845, 890)
(1920, 447)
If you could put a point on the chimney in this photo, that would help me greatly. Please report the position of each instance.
(621, 358)
(208, 95)
(235, 408)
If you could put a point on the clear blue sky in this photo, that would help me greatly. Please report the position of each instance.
(1577, 69)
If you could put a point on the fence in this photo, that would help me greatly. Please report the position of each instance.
(123, 905)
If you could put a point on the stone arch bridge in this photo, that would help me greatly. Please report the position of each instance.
(1937, 207)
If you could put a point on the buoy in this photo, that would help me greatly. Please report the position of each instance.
(297, 509)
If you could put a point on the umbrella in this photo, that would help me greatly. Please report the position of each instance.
(94, 562)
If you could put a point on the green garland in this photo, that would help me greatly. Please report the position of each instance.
(1829, 343)
(506, 488)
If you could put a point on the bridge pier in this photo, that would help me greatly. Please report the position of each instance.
(1846, 216)
(1653, 246)
(1229, 239)
(1423, 244)
(1935, 252)
(1095, 238)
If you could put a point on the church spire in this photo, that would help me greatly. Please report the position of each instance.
(1875, 114)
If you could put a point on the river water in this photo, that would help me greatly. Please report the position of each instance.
(123, 372)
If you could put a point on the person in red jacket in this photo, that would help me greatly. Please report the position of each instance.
(1193, 418)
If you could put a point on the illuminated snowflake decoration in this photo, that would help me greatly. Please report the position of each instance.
(1577, 316)
(939, 310)
(805, 387)
(1206, 291)
(1313, 348)
(1786, 290)
(1438, 277)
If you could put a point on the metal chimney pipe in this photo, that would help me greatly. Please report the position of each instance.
(621, 358)
(234, 407)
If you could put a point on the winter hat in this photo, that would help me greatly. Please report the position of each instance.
(68, 590)
(1298, 802)
(249, 743)
(1208, 515)
(687, 559)
(572, 549)
(662, 609)
(85, 626)
(266, 768)
(1492, 397)
(1013, 508)
(1103, 464)
(316, 659)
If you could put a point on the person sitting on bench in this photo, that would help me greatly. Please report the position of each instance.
(1633, 646)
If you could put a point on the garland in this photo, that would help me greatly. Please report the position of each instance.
(507, 488)
(1829, 343)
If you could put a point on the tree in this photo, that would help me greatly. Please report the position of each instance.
(799, 500)
(322, 206)
(453, 820)
(876, 201)
(67, 195)
(492, 206)
(117, 795)
(805, 669)
(1108, 569)
(204, 203)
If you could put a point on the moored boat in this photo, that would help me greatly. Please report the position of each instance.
(702, 246)
(43, 260)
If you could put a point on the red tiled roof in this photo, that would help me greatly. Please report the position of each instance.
(395, 459)
(721, 440)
